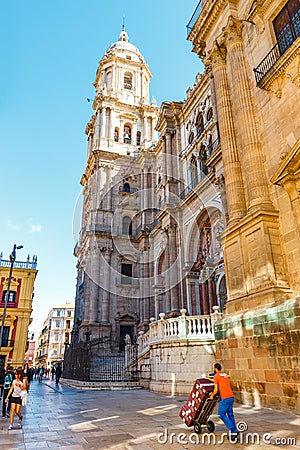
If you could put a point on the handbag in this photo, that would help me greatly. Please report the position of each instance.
(24, 397)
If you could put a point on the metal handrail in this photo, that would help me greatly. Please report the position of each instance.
(195, 16)
(285, 40)
(19, 264)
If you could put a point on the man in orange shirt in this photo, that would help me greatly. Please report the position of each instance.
(225, 411)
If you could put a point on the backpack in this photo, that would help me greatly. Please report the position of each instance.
(7, 381)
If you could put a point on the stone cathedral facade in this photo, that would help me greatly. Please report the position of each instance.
(203, 217)
(153, 208)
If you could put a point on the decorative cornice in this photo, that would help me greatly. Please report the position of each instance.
(289, 169)
(207, 18)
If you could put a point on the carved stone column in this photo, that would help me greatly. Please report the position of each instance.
(173, 268)
(103, 123)
(145, 130)
(169, 154)
(98, 127)
(164, 160)
(251, 151)
(204, 298)
(230, 154)
(167, 276)
(106, 258)
(94, 285)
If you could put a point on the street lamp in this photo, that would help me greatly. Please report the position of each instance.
(12, 258)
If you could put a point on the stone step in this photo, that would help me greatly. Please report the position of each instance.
(102, 385)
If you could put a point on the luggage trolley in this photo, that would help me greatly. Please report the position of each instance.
(199, 407)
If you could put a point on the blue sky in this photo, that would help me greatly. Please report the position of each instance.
(50, 52)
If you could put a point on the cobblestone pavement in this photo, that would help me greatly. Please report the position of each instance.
(71, 419)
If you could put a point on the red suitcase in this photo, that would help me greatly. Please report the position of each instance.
(198, 407)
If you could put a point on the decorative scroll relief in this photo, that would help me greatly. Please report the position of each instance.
(293, 71)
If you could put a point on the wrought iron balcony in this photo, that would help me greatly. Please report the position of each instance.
(290, 33)
(195, 16)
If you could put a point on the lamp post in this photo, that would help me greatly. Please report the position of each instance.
(12, 258)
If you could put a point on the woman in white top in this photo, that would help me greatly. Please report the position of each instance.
(18, 385)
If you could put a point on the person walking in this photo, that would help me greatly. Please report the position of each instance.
(52, 373)
(41, 373)
(225, 411)
(58, 373)
(2, 376)
(19, 384)
(8, 379)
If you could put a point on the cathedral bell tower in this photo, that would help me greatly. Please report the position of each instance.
(123, 120)
(119, 132)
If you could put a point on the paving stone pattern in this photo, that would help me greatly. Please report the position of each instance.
(70, 419)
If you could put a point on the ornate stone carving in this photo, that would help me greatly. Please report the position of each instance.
(218, 54)
(293, 71)
(233, 31)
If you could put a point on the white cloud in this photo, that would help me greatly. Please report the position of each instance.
(35, 228)
(13, 226)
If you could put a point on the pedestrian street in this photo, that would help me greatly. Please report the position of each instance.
(69, 419)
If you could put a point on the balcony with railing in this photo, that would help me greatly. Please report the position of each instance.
(195, 16)
(287, 37)
(28, 265)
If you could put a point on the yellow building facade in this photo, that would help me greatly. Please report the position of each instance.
(18, 311)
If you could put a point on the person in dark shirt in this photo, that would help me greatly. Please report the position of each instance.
(58, 373)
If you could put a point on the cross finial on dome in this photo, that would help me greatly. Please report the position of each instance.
(123, 36)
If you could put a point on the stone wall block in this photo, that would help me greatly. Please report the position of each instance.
(272, 376)
(290, 390)
(290, 403)
(274, 389)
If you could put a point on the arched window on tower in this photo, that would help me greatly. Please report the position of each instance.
(210, 145)
(127, 134)
(203, 158)
(199, 123)
(116, 135)
(128, 80)
(138, 138)
(108, 79)
(127, 226)
(126, 187)
(209, 114)
(191, 137)
(194, 171)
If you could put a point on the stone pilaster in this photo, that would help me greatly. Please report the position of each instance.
(103, 123)
(173, 269)
(230, 154)
(251, 151)
(106, 258)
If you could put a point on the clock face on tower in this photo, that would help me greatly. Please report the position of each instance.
(128, 97)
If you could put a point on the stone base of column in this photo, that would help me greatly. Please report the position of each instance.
(254, 263)
(259, 348)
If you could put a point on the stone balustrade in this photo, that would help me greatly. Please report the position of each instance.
(179, 328)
